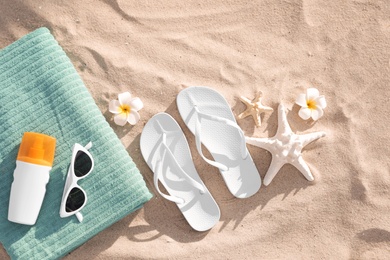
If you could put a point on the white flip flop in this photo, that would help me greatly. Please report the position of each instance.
(209, 117)
(166, 151)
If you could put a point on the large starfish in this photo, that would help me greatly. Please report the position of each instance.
(254, 108)
(286, 147)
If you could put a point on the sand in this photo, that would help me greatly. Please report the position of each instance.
(156, 48)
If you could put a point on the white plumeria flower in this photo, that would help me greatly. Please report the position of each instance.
(312, 104)
(125, 109)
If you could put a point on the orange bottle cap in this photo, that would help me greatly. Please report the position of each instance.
(37, 149)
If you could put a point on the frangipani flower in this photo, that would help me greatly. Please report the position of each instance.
(125, 109)
(312, 104)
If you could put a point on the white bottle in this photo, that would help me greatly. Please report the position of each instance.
(33, 165)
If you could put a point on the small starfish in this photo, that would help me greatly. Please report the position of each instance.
(254, 108)
(286, 147)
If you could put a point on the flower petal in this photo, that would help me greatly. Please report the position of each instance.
(133, 117)
(120, 119)
(317, 113)
(301, 100)
(304, 113)
(124, 98)
(114, 107)
(321, 102)
(136, 104)
(312, 93)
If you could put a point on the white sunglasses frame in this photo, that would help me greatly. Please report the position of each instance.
(71, 182)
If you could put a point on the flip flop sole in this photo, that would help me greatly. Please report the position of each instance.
(222, 141)
(200, 210)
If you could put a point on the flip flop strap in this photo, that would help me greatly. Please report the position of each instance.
(222, 167)
(156, 178)
(177, 166)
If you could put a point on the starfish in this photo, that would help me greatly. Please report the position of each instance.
(254, 108)
(286, 147)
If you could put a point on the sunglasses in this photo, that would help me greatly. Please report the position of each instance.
(74, 197)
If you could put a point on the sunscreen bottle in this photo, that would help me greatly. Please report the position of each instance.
(33, 164)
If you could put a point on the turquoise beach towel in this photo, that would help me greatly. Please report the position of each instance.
(40, 91)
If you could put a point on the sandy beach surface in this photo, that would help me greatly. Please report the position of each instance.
(154, 49)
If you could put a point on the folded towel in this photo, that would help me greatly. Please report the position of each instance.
(40, 91)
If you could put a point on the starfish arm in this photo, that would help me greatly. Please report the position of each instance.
(265, 108)
(245, 101)
(302, 166)
(264, 143)
(258, 96)
(308, 138)
(283, 126)
(273, 169)
(257, 119)
(244, 114)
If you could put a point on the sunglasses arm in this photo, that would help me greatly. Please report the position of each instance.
(79, 216)
(88, 146)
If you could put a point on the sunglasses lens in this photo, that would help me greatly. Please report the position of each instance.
(82, 164)
(75, 200)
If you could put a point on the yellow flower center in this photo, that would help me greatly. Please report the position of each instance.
(125, 109)
(311, 104)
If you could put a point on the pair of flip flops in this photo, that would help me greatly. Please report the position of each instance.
(165, 149)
